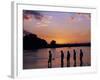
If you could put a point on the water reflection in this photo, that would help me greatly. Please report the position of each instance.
(57, 57)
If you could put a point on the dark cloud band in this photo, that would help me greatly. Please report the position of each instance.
(36, 14)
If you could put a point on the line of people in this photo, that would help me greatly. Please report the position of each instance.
(67, 58)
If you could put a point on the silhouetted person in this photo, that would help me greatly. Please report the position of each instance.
(50, 60)
(74, 57)
(68, 59)
(62, 58)
(81, 57)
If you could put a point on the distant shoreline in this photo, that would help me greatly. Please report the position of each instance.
(65, 45)
(69, 45)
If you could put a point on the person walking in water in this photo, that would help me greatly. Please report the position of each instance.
(81, 57)
(68, 59)
(74, 57)
(50, 60)
(62, 58)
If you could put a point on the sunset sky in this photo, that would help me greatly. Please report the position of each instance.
(63, 27)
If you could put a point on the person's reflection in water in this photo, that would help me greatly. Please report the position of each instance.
(50, 60)
(81, 57)
(62, 58)
(74, 57)
(68, 59)
(54, 53)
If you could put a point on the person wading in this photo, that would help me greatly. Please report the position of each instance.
(68, 59)
(74, 57)
(62, 58)
(81, 57)
(50, 60)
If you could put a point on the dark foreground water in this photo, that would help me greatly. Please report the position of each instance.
(39, 58)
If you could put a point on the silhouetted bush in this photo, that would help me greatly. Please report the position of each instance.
(53, 43)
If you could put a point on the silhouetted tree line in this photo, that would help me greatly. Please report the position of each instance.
(32, 41)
